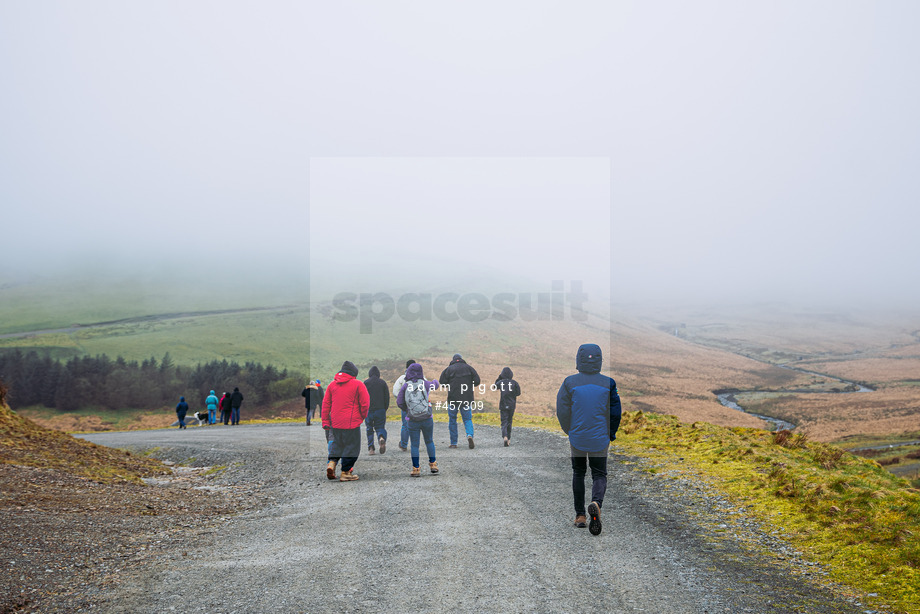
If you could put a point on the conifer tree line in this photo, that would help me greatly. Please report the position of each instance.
(100, 382)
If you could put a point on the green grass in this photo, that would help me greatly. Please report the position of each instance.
(843, 511)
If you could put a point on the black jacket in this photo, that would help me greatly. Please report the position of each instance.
(313, 396)
(236, 399)
(461, 378)
(509, 389)
(378, 390)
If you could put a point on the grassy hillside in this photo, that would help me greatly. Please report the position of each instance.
(24, 443)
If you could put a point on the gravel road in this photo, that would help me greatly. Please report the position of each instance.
(491, 533)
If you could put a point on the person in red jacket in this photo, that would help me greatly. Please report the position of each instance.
(345, 407)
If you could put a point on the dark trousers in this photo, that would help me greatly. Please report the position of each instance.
(345, 445)
(507, 417)
(598, 463)
(225, 416)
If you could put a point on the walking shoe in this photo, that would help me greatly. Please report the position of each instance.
(469, 440)
(433, 466)
(453, 445)
(383, 445)
(348, 476)
(330, 470)
(507, 443)
(581, 521)
(370, 450)
(594, 510)
(416, 473)
(402, 447)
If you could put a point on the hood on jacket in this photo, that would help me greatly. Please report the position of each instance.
(589, 359)
(457, 358)
(181, 399)
(414, 372)
(349, 368)
(212, 392)
(236, 390)
(374, 372)
(341, 377)
(507, 373)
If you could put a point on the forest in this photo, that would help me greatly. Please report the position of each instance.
(99, 381)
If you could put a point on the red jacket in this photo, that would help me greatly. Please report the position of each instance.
(346, 403)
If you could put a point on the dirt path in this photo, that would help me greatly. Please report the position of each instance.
(491, 533)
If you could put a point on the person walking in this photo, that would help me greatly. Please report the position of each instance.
(589, 412)
(236, 399)
(211, 402)
(461, 379)
(181, 411)
(509, 391)
(413, 400)
(345, 407)
(403, 429)
(313, 398)
(379, 394)
(224, 405)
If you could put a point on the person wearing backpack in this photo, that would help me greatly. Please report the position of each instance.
(404, 430)
(413, 400)
(345, 406)
(461, 379)
(211, 403)
(589, 412)
(509, 391)
(379, 394)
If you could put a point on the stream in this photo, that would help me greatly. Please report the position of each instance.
(729, 400)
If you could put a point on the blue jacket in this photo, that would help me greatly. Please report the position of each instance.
(588, 403)
(211, 401)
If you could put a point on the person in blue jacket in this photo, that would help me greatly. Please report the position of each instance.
(589, 411)
(181, 411)
(211, 402)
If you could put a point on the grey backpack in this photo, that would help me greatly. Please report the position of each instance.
(417, 400)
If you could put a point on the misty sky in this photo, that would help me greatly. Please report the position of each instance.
(768, 149)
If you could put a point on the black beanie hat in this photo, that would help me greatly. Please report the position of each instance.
(409, 362)
(349, 368)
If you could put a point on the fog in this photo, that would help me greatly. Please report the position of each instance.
(675, 152)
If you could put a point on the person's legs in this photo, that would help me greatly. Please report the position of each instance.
(506, 423)
(369, 426)
(212, 416)
(351, 448)
(467, 414)
(414, 431)
(427, 428)
(235, 415)
(452, 423)
(598, 463)
(579, 468)
(403, 432)
(380, 423)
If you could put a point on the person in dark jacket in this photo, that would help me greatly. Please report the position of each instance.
(313, 399)
(589, 411)
(418, 425)
(509, 391)
(236, 399)
(181, 411)
(376, 420)
(344, 409)
(461, 379)
(225, 408)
